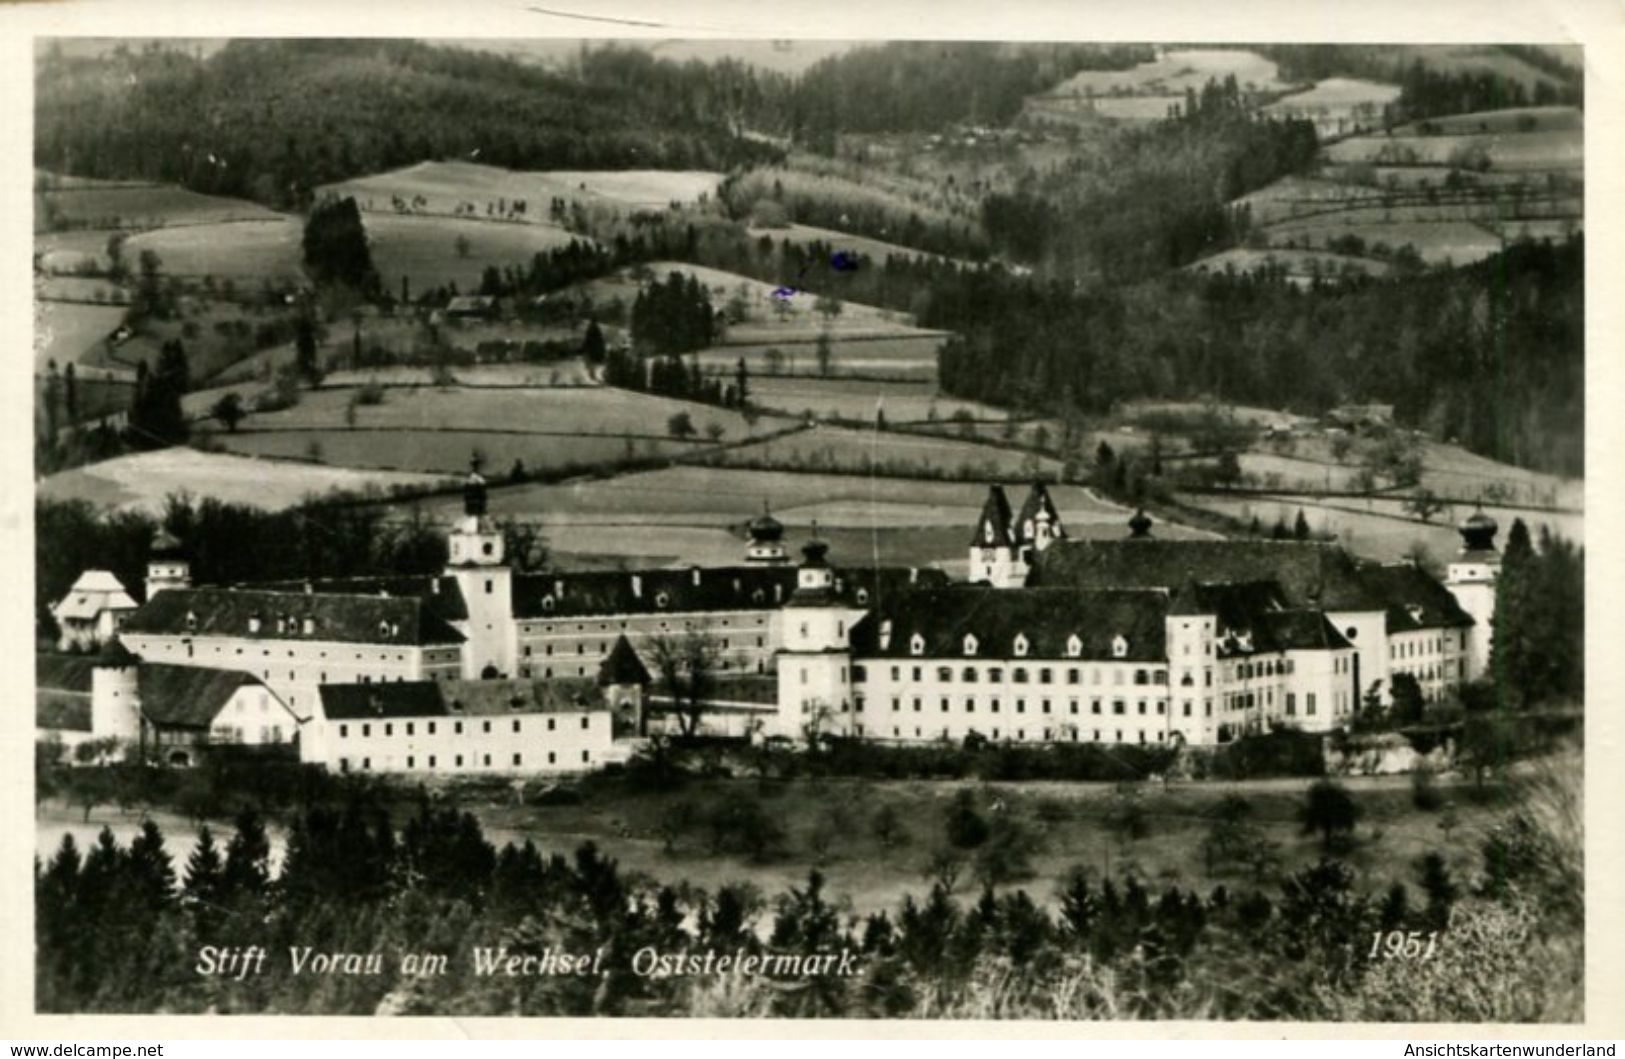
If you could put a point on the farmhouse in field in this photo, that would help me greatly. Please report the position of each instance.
(91, 612)
(1135, 640)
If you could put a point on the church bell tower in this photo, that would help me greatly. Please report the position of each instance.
(476, 559)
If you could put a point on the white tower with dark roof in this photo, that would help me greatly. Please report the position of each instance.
(815, 663)
(994, 557)
(476, 559)
(1471, 578)
(166, 564)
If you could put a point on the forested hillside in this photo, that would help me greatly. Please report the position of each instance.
(272, 119)
(1492, 355)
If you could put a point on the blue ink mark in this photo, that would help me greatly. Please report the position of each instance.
(784, 292)
(844, 261)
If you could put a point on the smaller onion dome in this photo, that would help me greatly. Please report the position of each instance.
(1478, 531)
(165, 545)
(765, 527)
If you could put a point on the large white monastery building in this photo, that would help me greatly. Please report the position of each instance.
(1136, 640)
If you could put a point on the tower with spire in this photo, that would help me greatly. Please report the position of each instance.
(994, 557)
(476, 560)
(1471, 578)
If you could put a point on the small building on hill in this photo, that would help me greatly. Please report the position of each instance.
(472, 307)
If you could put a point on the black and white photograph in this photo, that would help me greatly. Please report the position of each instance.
(656, 525)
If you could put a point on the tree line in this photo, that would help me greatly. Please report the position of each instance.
(121, 928)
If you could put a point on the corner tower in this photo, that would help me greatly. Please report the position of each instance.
(994, 557)
(766, 541)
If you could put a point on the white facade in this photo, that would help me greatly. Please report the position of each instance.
(520, 742)
(92, 611)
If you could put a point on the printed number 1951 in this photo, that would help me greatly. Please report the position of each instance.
(1398, 944)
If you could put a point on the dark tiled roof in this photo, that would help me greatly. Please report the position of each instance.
(1414, 599)
(993, 526)
(1298, 630)
(1311, 574)
(1255, 617)
(1038, 500)
(64, 711)
(188, 696)
(1046, 618)
(441, 595)
(454, 698)
(342, 618)
(623, 666)
(568, 595)
(63, 672)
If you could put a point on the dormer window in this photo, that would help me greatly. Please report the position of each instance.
(383, 628)
(547, 602)
(1119, 647)
(1415, 612)
(916, 645)
(885, 634)
(863, 596)
(970, 644)
(1020, 646)
(310, 626)
(661, 599)
(253, 622)
(1074, 646)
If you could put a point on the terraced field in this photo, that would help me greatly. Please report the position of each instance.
(909, 356)
(1175, 70)
(72, 333)
(140, 206)
(859, 399)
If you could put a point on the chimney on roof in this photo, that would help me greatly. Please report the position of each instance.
(637, 586)
(914, 575)
(310, 589)
(383, 593)
(434, 586)
(558, 588)
(696, 572)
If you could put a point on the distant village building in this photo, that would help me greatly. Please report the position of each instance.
(472, 307)
(1137, 640)
(1362, 416)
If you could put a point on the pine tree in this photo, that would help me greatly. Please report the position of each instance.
(149, 874)
(248, 857)
(205, 873)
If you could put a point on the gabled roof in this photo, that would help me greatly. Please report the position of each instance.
(623, 666)
(94, 592)
(993, 525)
(408, 699)
(63, 672)
(188, 696)
(1311, 574)
(1414, 600)
(1046, 619)
(343, 618)
(441, 594)
(594, 593)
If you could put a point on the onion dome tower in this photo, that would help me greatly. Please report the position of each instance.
(766, 540)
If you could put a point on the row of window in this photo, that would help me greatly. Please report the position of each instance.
(1412, 648)
(603, 646)
(456, 727)
(230, 733)
(1070, 734)
(1118, 706)
(432, 761)
(1019, 675)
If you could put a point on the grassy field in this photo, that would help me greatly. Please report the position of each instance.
(72, 333)
(446, 184)
(1436, 242)
(241, 251)
(835, 448)
(560, 411)
(910, 357)
(1470, 58)
(857, 399)
(142, 206)
(445, 451)
(1559, 148)
(802, 234)
(425, 249)
(1175, 70)
(141, 482)
(76, 251)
